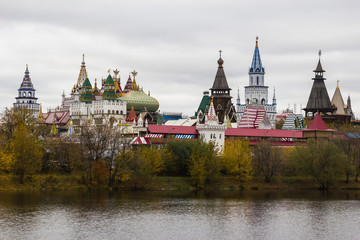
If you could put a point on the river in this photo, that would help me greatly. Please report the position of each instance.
(175, 215)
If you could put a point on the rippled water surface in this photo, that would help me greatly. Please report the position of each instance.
(163, 215)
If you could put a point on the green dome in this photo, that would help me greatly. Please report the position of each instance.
(140, 101)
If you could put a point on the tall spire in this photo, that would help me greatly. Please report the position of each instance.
(82, 74)
(256, 65)
(133, 85)
(274, 97)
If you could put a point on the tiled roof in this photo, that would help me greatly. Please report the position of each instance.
(252, 117)
(253, 132)
(162, 129)
(317, 124)
(59, 117)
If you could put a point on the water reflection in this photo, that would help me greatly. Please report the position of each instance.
(179, 215)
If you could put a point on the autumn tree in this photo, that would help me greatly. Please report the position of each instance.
(322, 160)
(351, 149)
(26, 152)
(204, 164)
(237, 159)
(267, 160)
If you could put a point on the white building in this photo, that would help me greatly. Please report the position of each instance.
(211, 130)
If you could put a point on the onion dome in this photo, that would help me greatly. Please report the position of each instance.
(86, 91)
(109, 89)
(139, 100)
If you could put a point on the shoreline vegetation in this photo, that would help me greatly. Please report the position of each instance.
(66, 182)
(101, 157)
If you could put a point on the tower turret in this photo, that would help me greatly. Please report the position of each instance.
(109, 89)
(86, 92)
(26, 95)
(319, 100)
(220, 92)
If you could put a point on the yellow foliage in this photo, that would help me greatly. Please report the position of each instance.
(6, 161)
(153, 160)
(237, 159)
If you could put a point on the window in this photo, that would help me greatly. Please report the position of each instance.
(219, 136)
(257, 80)
(117, 111)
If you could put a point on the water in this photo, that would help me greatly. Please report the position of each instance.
(164, 215)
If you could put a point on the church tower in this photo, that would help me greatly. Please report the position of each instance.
(319, 100)
(26, 97)
(220, 92)
(256, 92)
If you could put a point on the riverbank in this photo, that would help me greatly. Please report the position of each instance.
(52, 182)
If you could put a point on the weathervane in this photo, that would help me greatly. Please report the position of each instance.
(83, 57)
(319, 53)
(220, 53)
(109, 71)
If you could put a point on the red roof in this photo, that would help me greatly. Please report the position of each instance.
(59, 117)
(317, 124)
(254, 132)
(163, 129)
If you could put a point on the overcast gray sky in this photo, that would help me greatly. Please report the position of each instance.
(174, 46)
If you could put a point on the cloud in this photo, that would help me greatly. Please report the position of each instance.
(174, 46)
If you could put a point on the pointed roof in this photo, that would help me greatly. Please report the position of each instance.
(220, 82)
(26, 83)
(256, 65)
(338, 102)
(319, 98)
(211, 115)
(82, 73)
(40, 118)
(132, 115)
(317, 124)
(128, 85)
(96, 90)
(319, 67)
(204, 102)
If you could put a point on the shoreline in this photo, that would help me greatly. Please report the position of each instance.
(63, 182)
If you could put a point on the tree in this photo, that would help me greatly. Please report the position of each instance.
(279, 124)
(26, 152)
(350, 148)
(94, 141)
(178, 156)
(204, 164)
(237, 160)
(322, 160)
(267, 159)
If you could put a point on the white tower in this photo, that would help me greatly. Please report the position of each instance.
(26, 97)
(211, 130)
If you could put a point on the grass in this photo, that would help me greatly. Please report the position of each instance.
(53, 182)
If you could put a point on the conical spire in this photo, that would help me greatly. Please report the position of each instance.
(319, 100)
(128, 85)
(211, 115)
(82, 74)
(26, 83)
(40, 118)
(256, 65)
(220, 82)
(133, 85)
(338, 101)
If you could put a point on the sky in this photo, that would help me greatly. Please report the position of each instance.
(174, 46)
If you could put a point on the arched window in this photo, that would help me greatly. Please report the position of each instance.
(247, 101)
(108, 111)
(113, 111)
(262, 101)
(117, 111)
(257, 80)
(121, 112)
(251, 80)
